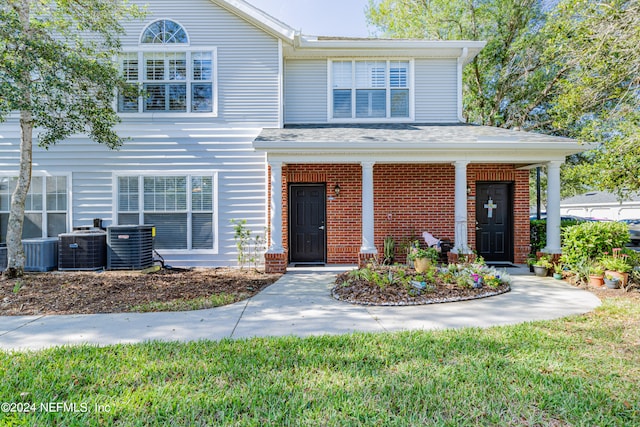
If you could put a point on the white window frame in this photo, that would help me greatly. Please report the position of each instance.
(44, 211)
(169, 48)
(387, 88)
(188, 174)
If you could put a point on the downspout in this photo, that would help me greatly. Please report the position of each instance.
(461, 60)
(281, 85)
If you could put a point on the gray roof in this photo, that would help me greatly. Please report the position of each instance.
(599, 197)
(401, 132)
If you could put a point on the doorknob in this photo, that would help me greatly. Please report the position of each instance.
(478, 228)
(321, 227)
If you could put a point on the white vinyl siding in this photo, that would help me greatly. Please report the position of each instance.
(305, 91)
(248, 67)
(436, 91)
(247, 60)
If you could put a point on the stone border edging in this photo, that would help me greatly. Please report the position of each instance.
(425, 302)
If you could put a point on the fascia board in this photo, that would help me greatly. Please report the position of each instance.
(413, 153)
(258, 18)
(312, 46)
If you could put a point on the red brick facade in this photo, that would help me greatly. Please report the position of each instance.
(408, 199)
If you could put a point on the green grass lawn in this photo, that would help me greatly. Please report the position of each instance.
(582, 370)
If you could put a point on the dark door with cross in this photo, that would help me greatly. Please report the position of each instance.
(494, 221)
(307, 206)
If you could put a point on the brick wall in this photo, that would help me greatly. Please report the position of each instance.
(409, 199)
(343, 220)
(520, 179)
(413, 198)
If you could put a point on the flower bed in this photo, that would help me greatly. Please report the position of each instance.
(401, 285)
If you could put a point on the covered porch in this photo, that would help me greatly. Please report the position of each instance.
(371, 181)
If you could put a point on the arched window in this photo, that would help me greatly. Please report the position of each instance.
(173, 77)
(164, 31)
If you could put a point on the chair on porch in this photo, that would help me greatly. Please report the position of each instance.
(442, 245)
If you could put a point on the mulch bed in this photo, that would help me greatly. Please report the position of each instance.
(366, 293)
(118, 291)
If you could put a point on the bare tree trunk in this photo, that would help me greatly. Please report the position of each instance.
(15, 250)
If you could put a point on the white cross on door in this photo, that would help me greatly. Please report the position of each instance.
(490, 206)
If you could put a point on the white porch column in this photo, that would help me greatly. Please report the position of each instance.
(276, 208)
(553, 208)
(368, 226)
(461, 245)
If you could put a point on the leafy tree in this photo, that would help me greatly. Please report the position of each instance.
(567, 67)
(507, 81)
(599, 100)
(57, 77)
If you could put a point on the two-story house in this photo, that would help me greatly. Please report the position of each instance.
(329, 144)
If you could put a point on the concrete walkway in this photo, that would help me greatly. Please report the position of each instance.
(299, 304)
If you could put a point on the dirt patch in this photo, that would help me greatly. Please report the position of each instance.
(120, 291)
(603, 293)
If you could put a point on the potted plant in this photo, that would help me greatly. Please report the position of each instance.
(616, 265)
(542, 266)
(423, 258)
(596, 275)
(611, 281)
(557, 271)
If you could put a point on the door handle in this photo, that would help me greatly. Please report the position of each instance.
(478, 228)
(321, 227)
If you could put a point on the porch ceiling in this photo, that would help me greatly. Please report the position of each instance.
(412, 143)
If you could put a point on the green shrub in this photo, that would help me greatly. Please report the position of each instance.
(538, 229)
(590, 240)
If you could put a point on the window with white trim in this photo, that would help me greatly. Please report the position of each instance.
(173, 78)
(46, 206)
(370, 89)
(181, 207)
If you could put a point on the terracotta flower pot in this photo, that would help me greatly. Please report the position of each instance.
(596, 280)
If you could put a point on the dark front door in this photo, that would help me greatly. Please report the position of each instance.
(307, 223)
(494, 217)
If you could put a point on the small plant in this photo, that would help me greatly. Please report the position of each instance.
(615, 262)
(242, 237)
(492, 280)
(389, 250)
(544, 261)
(429, 253)
(257, 249)
(17, 286)
(596, 270)
(558, 268)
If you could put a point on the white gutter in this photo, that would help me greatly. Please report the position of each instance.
(305, 41)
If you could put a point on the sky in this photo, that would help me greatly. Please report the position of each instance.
(319, 17)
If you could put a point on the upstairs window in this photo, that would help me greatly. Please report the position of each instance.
(172, 77)
(370, 89)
